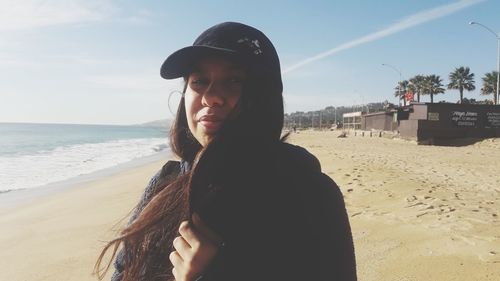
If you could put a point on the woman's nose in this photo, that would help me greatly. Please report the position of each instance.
(213, 96)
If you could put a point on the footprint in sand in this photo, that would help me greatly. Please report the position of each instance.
(416, 204)
(411, 199)
(422, 214)
(355, 214)
(446, 211)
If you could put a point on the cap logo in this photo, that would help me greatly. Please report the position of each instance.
(252, 44)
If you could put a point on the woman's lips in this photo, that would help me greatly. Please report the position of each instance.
(210, 122)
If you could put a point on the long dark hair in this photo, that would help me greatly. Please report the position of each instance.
(149, 238)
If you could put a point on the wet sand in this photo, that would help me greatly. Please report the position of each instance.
(59, 236)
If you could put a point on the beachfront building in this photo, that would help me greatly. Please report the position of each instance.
(430, 121)
(352, 120)
(380, 121)
(427, 122)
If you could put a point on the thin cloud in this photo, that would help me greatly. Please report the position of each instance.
(140, 17)
(411, 21)
(31, 14)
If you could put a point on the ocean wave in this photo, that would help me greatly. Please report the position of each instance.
(65, 162)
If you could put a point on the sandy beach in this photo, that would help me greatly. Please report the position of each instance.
(59, 236)
(417, 212)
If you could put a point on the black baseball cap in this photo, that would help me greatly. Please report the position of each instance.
(242, 42)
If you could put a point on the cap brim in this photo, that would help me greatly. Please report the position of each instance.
(181, 62)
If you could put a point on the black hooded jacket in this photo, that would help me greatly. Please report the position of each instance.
(282, 219)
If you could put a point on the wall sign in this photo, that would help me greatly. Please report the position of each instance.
(433, 116)
(492, 120)
(464, 118)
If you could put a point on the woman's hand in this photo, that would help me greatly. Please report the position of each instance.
(194, 250)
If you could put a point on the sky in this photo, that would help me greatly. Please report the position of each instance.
(98, 61)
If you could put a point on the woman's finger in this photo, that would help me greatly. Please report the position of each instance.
(189, 235)
(175, 259)
(174, 272)
(182, 247)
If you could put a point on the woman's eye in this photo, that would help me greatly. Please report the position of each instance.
(199, 81)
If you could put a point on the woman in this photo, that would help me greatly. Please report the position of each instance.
(241, 204)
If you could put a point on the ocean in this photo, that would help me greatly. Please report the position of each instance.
(33, 155)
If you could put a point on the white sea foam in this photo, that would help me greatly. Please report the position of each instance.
(29, 171)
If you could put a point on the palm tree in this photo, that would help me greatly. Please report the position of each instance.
(417, 85)
(490, 85)
(401, 89)
(461, 79)
(432, 85)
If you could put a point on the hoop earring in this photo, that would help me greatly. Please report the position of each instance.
(170, 97)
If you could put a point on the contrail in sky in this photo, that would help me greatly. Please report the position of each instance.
(411, 21)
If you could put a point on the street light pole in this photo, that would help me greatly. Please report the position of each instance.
(400, 79)
(498, 66)
(335, 115)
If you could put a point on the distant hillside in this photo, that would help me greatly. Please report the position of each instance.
(163, 123)
(329, 115)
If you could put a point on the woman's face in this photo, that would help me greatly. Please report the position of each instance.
(212, 93)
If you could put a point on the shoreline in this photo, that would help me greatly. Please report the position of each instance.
(58, 236)
(17, 197)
